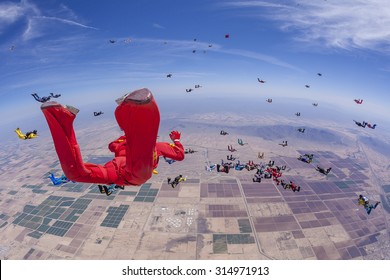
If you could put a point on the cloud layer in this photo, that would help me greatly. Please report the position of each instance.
(343, 24)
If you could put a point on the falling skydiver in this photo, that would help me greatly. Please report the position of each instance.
(362, 200)
(40, 99)
(54, 95)
(28, 135)
(323, 170)
(136, 152)
(59, 180)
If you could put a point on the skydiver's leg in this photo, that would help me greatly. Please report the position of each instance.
(36, 97)
(60, 120)
(369, 209)
(138, 115)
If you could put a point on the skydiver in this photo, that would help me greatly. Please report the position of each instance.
(189, 151)
(291, 186)
(112, 41)
(230, 148)
(323, 171)
(209, 166)
(230, 157)
(41, 99)
(372, 126)
(271, 163)
(169, 75)
(362, 200)
(194, 51)
(307, 86)
(223, 132)
(306, 158)
(260, 81)
(189, 90)
(28, 135)
(261, 156)
(59, 180)
(227, 36)
(169, 160)
(97, 113)
(110, 189)
(54, 95)
(358, 101)
(302, 130)
(284, 143)
(315, 104)
(269, 100)
(197, 86)
(363, 124)
(135, 161)
(298, 114)
(319, 74)
(256, 178)
(210, 46)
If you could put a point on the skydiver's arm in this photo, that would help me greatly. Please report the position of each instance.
(173, 151)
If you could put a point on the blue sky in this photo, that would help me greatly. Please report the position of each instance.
(63, 47)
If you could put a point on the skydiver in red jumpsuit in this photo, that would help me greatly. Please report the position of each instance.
(136, 152)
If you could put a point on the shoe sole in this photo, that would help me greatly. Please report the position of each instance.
(141, 96)
(72, 109)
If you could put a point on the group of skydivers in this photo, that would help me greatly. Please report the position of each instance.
(263, 171)
(272, 171)
(43, 99)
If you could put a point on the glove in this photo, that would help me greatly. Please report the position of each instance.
(175, 135)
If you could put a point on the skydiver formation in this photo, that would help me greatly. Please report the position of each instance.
(135, 162)
(29, 135)
(97, 113)
(364, 124)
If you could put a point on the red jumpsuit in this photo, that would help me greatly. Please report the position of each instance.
(136, 152)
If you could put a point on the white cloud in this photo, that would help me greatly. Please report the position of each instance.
(343, 24)
(11, 12)
(156, 25)
(66, 21)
